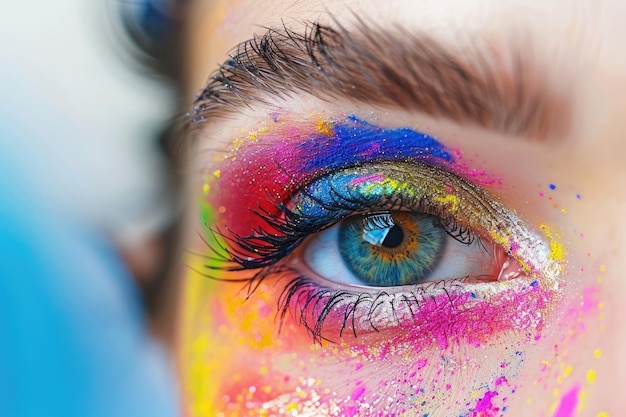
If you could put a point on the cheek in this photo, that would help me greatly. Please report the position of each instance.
(235, 360)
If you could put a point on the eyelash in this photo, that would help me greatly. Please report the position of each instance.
(285, 233)
(320, 301)
(309, 302)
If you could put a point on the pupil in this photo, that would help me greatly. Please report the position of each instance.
(394, 237)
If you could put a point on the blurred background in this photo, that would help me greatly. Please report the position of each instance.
(81, 116)
(81, 176)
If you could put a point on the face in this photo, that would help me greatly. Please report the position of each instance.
(404, 209)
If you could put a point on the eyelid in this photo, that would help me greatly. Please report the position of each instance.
(422, 185)
(329, 312)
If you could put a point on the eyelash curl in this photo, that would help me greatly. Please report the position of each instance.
(285, 229)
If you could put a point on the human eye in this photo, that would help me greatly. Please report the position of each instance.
(368, 230)
(369, 244)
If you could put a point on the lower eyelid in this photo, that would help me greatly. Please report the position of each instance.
(435, 314)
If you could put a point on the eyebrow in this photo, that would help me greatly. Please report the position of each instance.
(492, 87)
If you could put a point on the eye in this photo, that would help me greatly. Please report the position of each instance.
(383, 245)
(397, 248)
(364, 231)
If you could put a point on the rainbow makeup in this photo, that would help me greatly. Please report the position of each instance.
(301, 338)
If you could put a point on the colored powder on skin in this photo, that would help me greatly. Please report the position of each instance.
(477, 176)
(305, 152)
(465, 321)
(357, 393)
(291, 154)
(484, 404)
(557, 251)
(568, 403)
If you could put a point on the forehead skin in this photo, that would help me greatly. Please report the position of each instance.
(582, 42)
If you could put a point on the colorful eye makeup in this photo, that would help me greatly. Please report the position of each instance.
(359, 243)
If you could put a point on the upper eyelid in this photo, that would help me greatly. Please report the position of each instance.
(394, 69)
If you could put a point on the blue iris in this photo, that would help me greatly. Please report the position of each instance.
(391, 249)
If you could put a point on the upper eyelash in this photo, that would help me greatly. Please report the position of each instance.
(285, 232)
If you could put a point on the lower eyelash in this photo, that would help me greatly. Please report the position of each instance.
(312, 305)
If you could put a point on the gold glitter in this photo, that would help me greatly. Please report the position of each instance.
(451, 201)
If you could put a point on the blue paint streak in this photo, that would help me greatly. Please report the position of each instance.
(355, 141)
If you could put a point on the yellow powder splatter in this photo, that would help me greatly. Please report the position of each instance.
(206, 188)
(567, 371)
(563, 211)
(597, 353)
(324, 127)
(591, 376)
(582, 394)
(557, 251)
(217, 173)
(237, 143)
(602, 415)
(451, 201)
(602, 268)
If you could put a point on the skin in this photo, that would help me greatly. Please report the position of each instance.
(579, 348)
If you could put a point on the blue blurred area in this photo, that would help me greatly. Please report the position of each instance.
(72, 335)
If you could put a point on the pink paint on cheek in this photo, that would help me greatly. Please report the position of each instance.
(358, 393)
(446, 321)
(568, 403)
(590, 299)
(461, 318)
(421, 363)
(485, 406)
